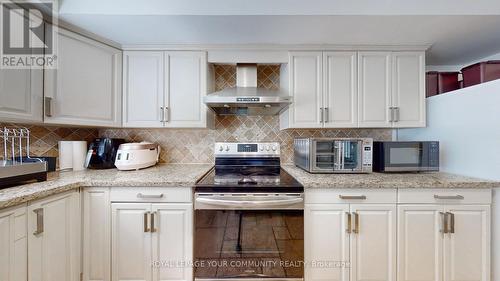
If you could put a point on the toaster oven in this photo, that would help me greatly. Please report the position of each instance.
(334, 155)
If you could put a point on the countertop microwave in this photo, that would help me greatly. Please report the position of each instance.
(406, 156)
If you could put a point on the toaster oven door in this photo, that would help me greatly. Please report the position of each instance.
(337, 156)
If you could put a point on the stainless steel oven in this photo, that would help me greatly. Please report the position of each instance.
(406, 156)
(334, 155)
(249, 218)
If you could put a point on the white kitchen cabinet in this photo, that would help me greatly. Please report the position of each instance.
(420, 242)
(21, 95)
(340, 99)
(408, 89)
(165, 89)
(54, 238)
(13, 244)
(96, 210)
(143, 96)
(306, 89)
(373, 243)
(374, 89)
(85, 89)
(131, 241)
(467, 248)
(185, 87)
(172, 240)
(326, 239)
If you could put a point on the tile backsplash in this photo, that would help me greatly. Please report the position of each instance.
(43, 139)
(197, 145)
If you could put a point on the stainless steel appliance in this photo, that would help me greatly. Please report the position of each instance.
(249, 218)
(17, 166)
(406, 156)
(247, 98)
(334, 155)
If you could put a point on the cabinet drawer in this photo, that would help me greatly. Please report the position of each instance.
(362, 195)
(151, 194)
(444, 196)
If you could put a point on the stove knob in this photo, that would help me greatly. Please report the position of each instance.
(274, 148)
(221, 148)
(267, 147)
(227, 147)
(261, 148)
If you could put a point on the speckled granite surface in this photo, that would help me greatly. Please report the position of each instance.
(380, 180)
(171, 175)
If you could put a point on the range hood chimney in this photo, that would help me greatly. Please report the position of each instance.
(246, 98)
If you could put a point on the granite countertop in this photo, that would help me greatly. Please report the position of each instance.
(169, 175)
(387, 180)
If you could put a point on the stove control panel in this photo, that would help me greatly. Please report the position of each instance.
(247, 149)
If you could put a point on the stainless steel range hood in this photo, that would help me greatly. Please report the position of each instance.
(247, 98)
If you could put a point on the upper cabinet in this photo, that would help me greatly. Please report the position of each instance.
(85, 89)
(356, 89)
(164, 89)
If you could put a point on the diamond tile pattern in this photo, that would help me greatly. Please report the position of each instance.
(43, 139)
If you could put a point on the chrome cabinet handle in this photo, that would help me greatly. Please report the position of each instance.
(145, 196)
(146, 216)
(444, 218)
(326, 114)
(352, 197)
(321, 115)
(153, 229)
(162, 114)
(396, 114)
(451, 221)
(449, 197)
(166, 114)
(39, 221)
(391, 114)
(48, 106)
(356, 223)
(349, 223)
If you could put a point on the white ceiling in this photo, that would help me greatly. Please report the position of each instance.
(455, 39)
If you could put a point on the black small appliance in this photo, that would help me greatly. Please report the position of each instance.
(102, 153)
(405, 156)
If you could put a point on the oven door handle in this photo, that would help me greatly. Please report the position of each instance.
(249, 203)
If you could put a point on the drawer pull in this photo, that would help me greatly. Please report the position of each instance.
(140, 195)
(39, 221)
(449, 197)
(352, 197)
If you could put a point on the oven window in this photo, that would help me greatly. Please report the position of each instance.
(249, 244)
(405, 155)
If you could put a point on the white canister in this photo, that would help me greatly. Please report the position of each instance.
(65, 155)
(79, 155)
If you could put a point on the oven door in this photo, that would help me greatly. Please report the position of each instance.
(249, 236)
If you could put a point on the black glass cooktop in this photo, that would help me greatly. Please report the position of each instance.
(248, 180)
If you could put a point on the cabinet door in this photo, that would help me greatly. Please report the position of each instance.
(131, 241)
(374, 89)
(306, 89)
(143, 97)
(54, 238)
(408, 90)
(21, 95)
(96, 234)
(340, 89)
(467, 249)
(420, 242)
(85, 89)
(13, 242)
(172, 241)
(373, 247)
(185, 87)
(326, 240)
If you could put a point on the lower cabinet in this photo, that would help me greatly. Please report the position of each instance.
(444, 242)
(137, 234)
(54, 238)
(13, 244)
(346, 239)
